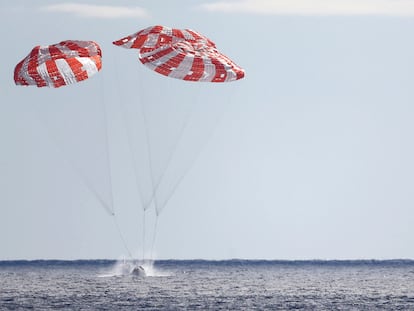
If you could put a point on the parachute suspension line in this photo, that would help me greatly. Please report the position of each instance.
(155, 186)
(106, 142)
(181, 134)
(118, 228)
(154, 237)
(171, 155)
(146, 205)
(129, 130)
(130, 145)
(143, 236)
(72, 165)
(153, 198)
(150, 164)
(188, 169)
(105, 117)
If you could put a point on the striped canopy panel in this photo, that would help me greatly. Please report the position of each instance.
(182, 54)
(59, 64)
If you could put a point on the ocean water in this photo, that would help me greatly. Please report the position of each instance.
(208, 285)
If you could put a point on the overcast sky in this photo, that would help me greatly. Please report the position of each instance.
(310, 156)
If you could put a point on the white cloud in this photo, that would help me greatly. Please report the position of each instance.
(97, 11)
(314, 7)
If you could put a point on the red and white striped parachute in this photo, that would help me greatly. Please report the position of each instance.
(182, 54)
(59, 64)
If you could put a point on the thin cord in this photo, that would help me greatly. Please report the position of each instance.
(122, 237)
(143, 236)
(105, 116)
(181, 178)
(154, 236)
(52, 137)
(108, 159)
(170, 157)
(147, 139)
(130, 145)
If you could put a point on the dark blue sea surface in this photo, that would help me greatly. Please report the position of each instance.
(208, 285)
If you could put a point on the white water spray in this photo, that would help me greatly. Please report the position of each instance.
(124, 267)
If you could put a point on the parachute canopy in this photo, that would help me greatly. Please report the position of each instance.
(181, 54)
(59, 64)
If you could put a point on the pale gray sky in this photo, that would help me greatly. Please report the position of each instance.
(310, 156)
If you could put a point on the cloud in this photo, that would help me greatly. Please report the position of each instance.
(97, 11)
(314, 7)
